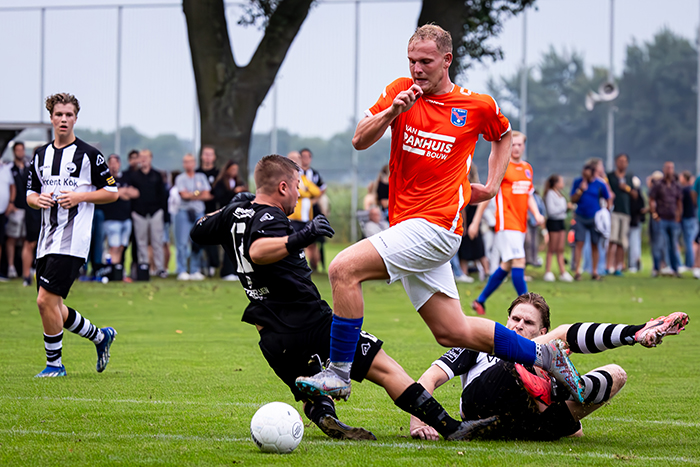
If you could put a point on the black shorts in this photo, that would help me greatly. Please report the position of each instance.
(56, 273)
(32, 221)
(555, 225)
(300, 354)
(497, 392)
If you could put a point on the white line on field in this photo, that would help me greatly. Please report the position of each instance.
(417, 446)
(646, 422)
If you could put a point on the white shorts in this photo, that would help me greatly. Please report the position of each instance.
(510, 244)
(118, 232)
(418, 253)
(16, 227)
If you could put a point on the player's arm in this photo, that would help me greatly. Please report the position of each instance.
(433, 378)
(370, 129)
(498, 162)
(69, 199)
(268, 250)
(208, 230)
(534, 209)
(473, 228)
(13, 193)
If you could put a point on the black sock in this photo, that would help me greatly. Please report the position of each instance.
(82, 326)
(318, 406)
(418, 402)
(597, 337)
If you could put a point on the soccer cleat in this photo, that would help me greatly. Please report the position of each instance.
(469, 429)
(103, 348)
(537, 387)
(564, 371)
(479, 307)
(336, 429)
(325, 383)
(52, 372)
(656, 329)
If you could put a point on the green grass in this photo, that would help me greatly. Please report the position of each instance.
(171, 398)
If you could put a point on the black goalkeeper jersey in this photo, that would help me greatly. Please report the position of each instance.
(282, 295)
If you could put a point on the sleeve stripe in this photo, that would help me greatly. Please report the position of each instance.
(444, 367)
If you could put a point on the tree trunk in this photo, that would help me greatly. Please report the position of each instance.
(229, 95)
(449, 15)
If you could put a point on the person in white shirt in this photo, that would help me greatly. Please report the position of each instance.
(556, 206)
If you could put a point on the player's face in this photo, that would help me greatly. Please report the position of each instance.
(63, 119)
(516, 150)
(291, 194)
(429, 68)
(525, 320)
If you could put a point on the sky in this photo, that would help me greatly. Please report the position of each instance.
(315, 86)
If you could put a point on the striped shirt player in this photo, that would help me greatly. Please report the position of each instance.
(67, 177)
(514, 199)
(435, 125)
(528, 405)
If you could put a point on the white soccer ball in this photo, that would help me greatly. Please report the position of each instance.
(277, 427)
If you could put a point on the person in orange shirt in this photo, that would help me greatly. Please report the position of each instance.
(434, 127)
(513, 201)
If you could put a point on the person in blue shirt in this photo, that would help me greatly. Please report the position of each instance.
(586, 192)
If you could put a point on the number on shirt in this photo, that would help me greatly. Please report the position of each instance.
(237, 231)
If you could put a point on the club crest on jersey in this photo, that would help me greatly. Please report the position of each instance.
(100, 160)
(70, 167)
(459, 117)
(528, 174)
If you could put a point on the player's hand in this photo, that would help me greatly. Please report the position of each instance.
(69, 199)
(473, 230)
(405, 99)
(320, 227)
(425, 432)
(10, 209)
(539, 218)
(584, 185)
(481, 193)
(45, 200)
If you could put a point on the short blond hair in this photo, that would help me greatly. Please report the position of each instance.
(433, 32)
(519, 133)
(62, 98)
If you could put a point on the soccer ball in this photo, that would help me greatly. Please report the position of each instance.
(277, 427)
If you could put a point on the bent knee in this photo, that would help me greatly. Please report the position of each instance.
(619, 376)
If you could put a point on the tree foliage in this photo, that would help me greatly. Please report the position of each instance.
(655, 117)
(472, 24)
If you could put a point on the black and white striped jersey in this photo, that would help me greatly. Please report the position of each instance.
(78, 167)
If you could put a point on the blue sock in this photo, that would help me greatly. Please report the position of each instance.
(345, 332)
(517, 275)
(508, 345)
(494, 282)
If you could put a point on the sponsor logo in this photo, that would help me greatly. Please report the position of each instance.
(422, 143)
(56, 181)
(368, 336)
(241, 213)
(70, 167)
(110, 181)
(365, 348)
(257, 294)
(458, 117)
(104, 172)
(100, 160)
(453, 354)
(521, 187)
(297, 430)
(44, 279)
(266, 217)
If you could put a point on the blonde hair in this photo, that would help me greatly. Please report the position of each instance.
(518, 133)
(62, 98)
(433, 32)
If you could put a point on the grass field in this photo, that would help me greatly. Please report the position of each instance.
(186, 376)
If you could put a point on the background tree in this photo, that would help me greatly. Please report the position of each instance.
(471, 23)
(229, 95)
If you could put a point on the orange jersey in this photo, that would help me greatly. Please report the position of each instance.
(512, 197)
(431, 152)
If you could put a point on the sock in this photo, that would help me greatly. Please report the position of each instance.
(345, 332)
(598, 384)
(418, 402)
(508, 345)
(494, 282)
(82, 326)
(517, 275)
(318, 406)
(597, 337)
(54, 346)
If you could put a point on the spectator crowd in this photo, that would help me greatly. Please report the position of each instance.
(596, 227)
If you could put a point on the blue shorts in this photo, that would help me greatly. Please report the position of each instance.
(118, 232)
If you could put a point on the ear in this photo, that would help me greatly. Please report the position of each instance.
(282, 187)
(543, 331)
(448, 59)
